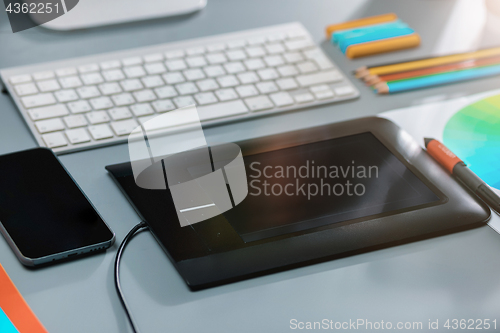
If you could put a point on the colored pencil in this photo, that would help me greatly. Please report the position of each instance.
(373, 79)
(429, 62)
(359, 23)
(374, 36)
(437, 79)
(361, 31)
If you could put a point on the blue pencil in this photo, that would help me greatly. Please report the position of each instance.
(437, 79)
(374, 36)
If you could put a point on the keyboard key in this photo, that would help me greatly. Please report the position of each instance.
(134, 72)
(276, 37)
(254, 52)
(259, 103)
(113, 75)
(216, 47)
(281, 99)
(46, 112)
(100, 132)
(318, 78)
(70, 82)
(324, 94)
(254, 64)
(76, 136)
(163, 105)
(38, 100)
(236, 55)
(195, 51)
(144, 96)
(54, 140)
(213, 71)
(247, 90)
(293, 57)
(205, 98)
(20, 79)
(120, 113)
(88, 92)
(79, 107)
(173, 78)
(155, 57)
(49, 125)
(234, 67)
(194, 74)
(256, 40)
(307, 67)
(275, 48)
(88, 68)
(66, 95)
(268, 74)
(221, 110)
(273, 61)
(287, 84)
(207, 85)
(267, 87)
(198, 61)
(74, 121)
(184, 101)
(110, 65)
(318, 88)
(304, 98)
(300, 44)
(133, 61)
(142, 109)
(25, 89)
(152, 81)
(97, 117)
(344, 91)
(43, 75)
(186, 88)
(101, 103)
(124, 127)
(296, 34)
(48, 85)
(175, 65)
(288, 70)
(92, 78)
(110, 88)
(165, 92)
(235, 44)
(155, 68)
(131, 85)
(174, 54)
(319, 58)
(123, 99)
(66, 71)
(226, 94)
(248, 77)
(228, 81)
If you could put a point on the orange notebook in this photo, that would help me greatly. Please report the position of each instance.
(16, 308)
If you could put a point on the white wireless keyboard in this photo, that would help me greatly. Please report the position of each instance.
(87, 102)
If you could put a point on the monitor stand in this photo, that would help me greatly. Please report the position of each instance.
(96, 13)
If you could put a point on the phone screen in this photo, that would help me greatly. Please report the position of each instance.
(42, 209)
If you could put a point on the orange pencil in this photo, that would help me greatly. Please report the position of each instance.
(359, 23)
(384, 45)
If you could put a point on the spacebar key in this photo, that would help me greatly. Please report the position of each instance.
(323, 77)
(221, 110)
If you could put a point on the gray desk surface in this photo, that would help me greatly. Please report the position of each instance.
(455, 276)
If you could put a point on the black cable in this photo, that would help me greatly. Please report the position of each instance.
(135, 230)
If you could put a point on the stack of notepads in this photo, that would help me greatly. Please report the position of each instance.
(371, 35)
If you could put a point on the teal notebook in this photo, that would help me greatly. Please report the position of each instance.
(6, 325)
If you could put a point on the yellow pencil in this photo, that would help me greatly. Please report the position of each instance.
(359, 23)
(383, 45)
(417, 64)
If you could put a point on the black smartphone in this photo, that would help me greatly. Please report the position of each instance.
(44, 215)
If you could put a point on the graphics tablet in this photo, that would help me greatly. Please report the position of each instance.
(313, 195)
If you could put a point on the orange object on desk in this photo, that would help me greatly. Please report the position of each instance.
(383, 45)
(360, 23)
(16, 308)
